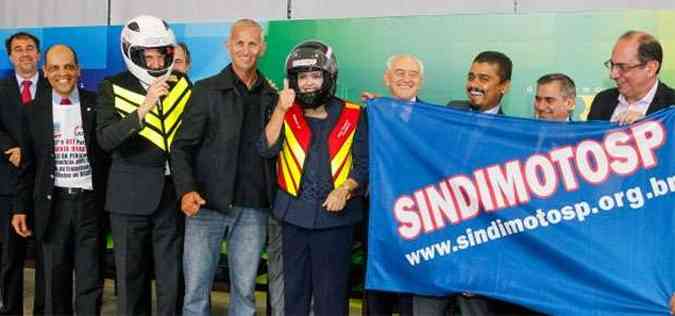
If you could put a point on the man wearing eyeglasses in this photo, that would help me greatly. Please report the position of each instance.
(634, 66)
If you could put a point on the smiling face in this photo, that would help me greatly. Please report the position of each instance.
(310, 81)
(633, 79)
(484, 86)
(245, 46)
(24, 55)
(61, 70)
(551, 104)
(403, 78)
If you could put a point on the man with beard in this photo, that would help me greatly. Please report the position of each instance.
(634, 66)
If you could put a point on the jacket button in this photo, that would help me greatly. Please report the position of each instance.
(51, 176)
(49, 197)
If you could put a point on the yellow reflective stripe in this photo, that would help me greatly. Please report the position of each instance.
(344, 172)
(154, 137)
(290, 186)
(173, 134)
(172, 97)
(177, 113)
(153, 120)
(294, 144)
(129, 95)
(293, 169)
(352, 106)
(341, 155)
(124, 106)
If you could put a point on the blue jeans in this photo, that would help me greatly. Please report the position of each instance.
(245, 231)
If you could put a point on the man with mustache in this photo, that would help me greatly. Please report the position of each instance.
(16, 93)
(634, 66)
(488, 80)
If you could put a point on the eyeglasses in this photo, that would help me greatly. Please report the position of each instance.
(622, 68)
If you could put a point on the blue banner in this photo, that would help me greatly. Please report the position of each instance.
(564, 218)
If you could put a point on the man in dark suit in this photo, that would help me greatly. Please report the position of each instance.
(403, 77)
(16, 92)
(635, 65)
(139, 111)
(62, 177)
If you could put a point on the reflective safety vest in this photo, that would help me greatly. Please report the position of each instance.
(298, 136)
(162, 122)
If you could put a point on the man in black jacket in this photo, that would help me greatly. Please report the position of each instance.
(61, 177)
(635, 65)
(16, 93)
(139, 112)
(225, 188)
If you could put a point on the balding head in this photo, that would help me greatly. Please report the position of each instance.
(404, 76)
(61, 69)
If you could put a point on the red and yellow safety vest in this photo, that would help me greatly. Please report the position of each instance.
(298, 138)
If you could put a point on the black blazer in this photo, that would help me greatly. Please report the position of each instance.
(606, 101)
(36, 179)
(12, 114)
(136, 179)
(205, 151)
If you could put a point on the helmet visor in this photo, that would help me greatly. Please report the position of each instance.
(156, 60)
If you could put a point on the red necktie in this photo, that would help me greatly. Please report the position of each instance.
(25, 91)
(65, 101)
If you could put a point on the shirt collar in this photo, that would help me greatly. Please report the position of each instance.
(646, 100)
(32, 79)
(74, 97)
(494, 110)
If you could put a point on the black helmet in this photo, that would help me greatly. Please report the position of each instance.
(312, 56)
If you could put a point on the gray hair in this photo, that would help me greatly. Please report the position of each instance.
(390, 61)
(567, 87)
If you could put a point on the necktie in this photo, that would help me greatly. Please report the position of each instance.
(25, 91)
(65, 101)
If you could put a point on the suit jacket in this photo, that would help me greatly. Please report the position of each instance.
(205, 151)
(136, 180)
(606, 101)
(36, 179)
(12, 114)
(466, 105)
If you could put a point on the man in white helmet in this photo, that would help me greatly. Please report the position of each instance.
(139, 111)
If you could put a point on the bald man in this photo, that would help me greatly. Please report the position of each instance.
(62, 178)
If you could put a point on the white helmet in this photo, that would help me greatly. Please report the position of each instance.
(144, 32)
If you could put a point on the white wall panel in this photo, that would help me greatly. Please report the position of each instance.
(311, 9)
(32, 13)
(530, 6)
(198, 10)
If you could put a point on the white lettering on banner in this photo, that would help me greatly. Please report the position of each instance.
(459, 198)
(631, 198)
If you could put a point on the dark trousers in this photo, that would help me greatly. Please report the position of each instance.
(11, 262)
(468, 306)
(316, 264)
(380, 303)
(72, 242)
(137, 238)
(12, 259)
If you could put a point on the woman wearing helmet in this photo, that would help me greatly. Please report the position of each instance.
(320, 143)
